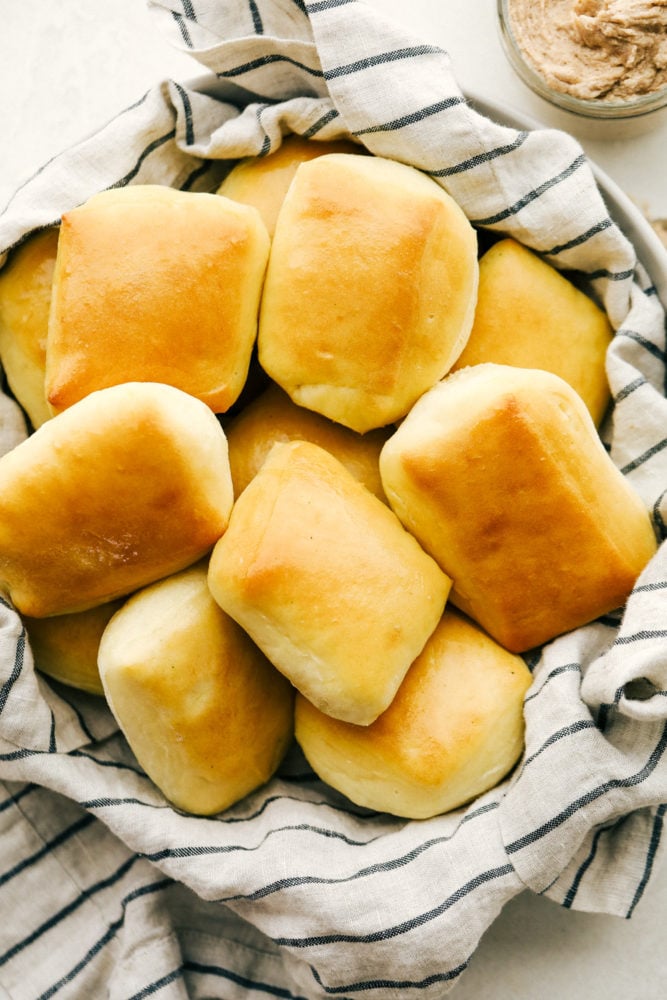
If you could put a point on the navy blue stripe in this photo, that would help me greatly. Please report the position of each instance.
(393, 864)
(320, 5)
(187, 110)
(644, 342)
(151, 988)
(182, 27)
(599, 227)
(320, 123)
(247, 984)
(556, 672)
(654, 450)
(189, 10)
(116, 764)
(658, 633)
(591, 796)
(481, 158)
(346, 811)
(569, 730)
(583, 868)
(254, 64)
(104, 940)
(19, 754)
(52, 734)
(17, 796)
(490, 875)
(66, 911)
(393, 984)
(644, 588)
(610, 275)
(196, 174)
(656, 835)
(381, 59)
(256, 18)
(629, 388)
(415, 116)
(19, 654)
(206, 850)
(83, 725)
(167, 137)
(47, 848)
(266, 142)
(532, 195)
(658, 519)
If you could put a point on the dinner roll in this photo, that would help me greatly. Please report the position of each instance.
(500, 474)
(25, 301)
(262, 181)
(370, 289)
(124, 487)
(273, 417)
(453, 731)
(530, 315)
(157, 285)
(323, 577)
(206, 715)
(65, 647)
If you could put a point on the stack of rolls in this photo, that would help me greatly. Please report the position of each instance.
(301, 465)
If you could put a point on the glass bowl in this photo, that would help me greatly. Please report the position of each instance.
(598, 107)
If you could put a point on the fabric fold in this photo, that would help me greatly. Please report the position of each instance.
(295, 891)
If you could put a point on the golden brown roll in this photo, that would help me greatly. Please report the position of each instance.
(262, 181)
(370, 289)
(157, 285)
(530, 315)
(207, 716)
(453, 731)
(273, 417)
(128, 485)
(322, 576)
(500, 474)
(25, 301)
(65, 647)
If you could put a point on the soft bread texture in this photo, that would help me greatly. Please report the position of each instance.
(272, 417)
(157, 285)
(323, 577)
(65, 647)
(531, 316)
(454, 729)
(206, 715)
(263, 181)
(124, 487)
(25, 303)
(370, 289)
(500, 474)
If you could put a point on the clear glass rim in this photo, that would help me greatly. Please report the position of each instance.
(635, 107)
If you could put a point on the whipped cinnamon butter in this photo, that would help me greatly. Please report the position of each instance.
(606, 50)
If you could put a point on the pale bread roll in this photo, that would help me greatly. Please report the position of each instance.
(323, 577)
(370, 289)
(272, 417)
(124, 487)
(530, 315)
(25, 301)
(157, 285)
(65, 647)
(263, 181)
(453, 731)
(206, 715)
(500, 474)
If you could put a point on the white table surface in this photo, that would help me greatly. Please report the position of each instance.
(66, 67)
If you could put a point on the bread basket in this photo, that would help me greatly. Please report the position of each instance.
(295, 892)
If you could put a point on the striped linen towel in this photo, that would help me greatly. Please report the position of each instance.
(295, 892)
